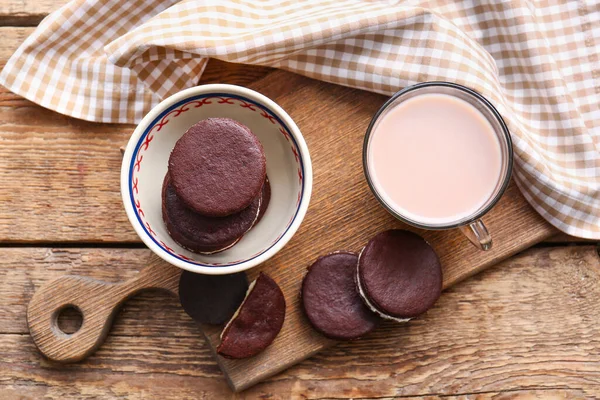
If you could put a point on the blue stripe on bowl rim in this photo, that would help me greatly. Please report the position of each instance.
(151, 126)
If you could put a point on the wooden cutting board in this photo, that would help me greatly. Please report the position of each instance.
(343, 215)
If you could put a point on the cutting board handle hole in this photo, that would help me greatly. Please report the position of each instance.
(68, 319)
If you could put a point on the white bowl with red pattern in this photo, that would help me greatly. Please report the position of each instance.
(288, 168)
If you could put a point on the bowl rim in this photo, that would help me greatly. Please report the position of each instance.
(217, 88)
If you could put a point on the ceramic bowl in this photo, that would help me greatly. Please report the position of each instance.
(288, 168)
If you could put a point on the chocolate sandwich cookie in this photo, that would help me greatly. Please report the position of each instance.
(399, 275)
(264, 200)
(257, 321)
(331, 301)
(218, 167)
(211, 299)
(199, 233)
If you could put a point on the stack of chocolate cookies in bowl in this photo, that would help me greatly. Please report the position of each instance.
(216, 188)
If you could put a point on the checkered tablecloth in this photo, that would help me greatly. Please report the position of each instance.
(537, 61)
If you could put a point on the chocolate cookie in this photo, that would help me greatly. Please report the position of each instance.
(399, 275)
(331, 301)
(211, 299)
(264, 200)
(199, 233)
(218, 167)
(256, 323)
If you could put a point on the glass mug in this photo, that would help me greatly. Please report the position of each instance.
(471, 225)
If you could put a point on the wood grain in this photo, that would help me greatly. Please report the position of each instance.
(26, 12)
(527, 327)
(12, 37)
(96, 301)
(29, 7)
(26, 269)
(563, 238)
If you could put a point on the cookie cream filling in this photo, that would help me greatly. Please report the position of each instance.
(228, 246)
(250, 287)
(363, 295)
(215, 251)
(240, 238)
(203, 252)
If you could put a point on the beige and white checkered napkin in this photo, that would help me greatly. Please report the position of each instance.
(538, 62)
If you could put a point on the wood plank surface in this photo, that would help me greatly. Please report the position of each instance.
(505, 337)
(563, 238)
(12, 37)
(26, 12)
(343, 214)
(29, 7)
(498, 335)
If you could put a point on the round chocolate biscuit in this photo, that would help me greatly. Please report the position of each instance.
(218, 167)
(264, 200)
(257, 321)
(199, 233)
(331, 301)
(211, 299)
(399, 275)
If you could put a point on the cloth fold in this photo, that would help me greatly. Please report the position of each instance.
(537, 62)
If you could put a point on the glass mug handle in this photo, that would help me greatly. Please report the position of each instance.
(478, 234)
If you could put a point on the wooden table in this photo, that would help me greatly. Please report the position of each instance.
(529, 327)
